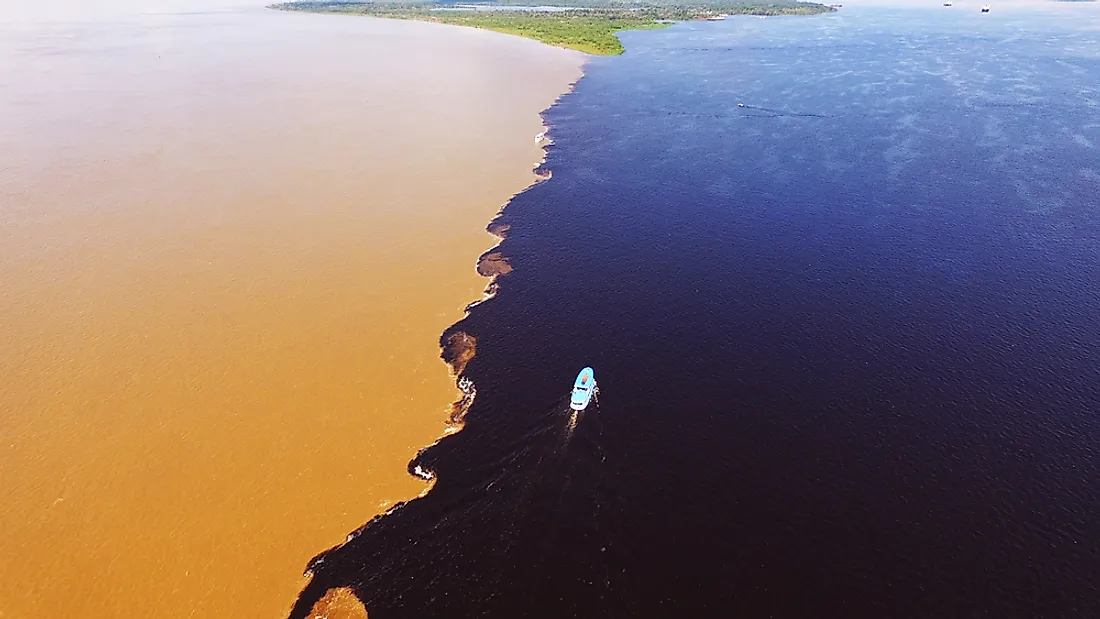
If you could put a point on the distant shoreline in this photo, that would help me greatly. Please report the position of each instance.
(589, 27)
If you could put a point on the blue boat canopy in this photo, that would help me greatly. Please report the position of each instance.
(583, 389)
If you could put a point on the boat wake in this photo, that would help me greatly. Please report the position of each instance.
(574, 419)
(550, 466)
(767, 112)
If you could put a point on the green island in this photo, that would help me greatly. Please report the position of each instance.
(585, 25)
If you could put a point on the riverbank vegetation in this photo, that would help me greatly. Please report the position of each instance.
(585, 25)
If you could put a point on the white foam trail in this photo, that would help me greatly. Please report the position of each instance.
(572, 425)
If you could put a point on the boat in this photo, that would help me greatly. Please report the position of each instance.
(539, 137)
(583, 389)
(985, 8)
(947, 4)
(716, 18)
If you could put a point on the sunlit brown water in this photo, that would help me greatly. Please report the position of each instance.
(229, 241)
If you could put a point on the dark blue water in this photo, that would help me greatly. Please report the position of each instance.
(847, 338)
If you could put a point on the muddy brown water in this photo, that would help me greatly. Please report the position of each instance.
(230, 239)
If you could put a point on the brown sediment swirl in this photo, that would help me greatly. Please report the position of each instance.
(493, 264)
(339, 603)
(458, 348)
(498, 229)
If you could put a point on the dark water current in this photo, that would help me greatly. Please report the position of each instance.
(847, 338)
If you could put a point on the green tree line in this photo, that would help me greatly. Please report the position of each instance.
(587, 25)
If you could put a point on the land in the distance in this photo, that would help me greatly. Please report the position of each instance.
(585, 25)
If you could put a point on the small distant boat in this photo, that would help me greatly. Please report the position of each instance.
(947, 4)
(540, 137)
(583, 388)
(716, 18)
(985, 9)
